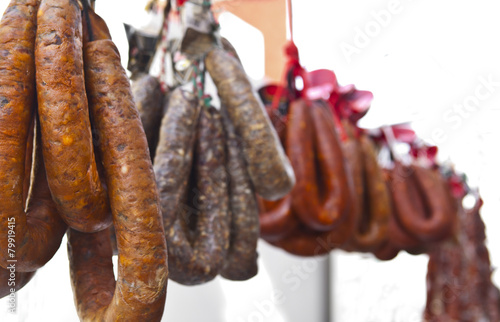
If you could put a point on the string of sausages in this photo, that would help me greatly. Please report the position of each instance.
(74, 158)
(355, 192)
(343, 197)
(77, 142)
(459, 286)
(210, 162)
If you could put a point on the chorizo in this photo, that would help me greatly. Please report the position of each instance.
(321, 197)
(241, 259)
(268, 166)
(198, 247)
(44, 229)
(352, 152)
(398, 236)
(140, 290)
(174, 153)
(378, 207)
(91, 271)
(38, 231)
(436, 221)
(306, 242)
(64, 117)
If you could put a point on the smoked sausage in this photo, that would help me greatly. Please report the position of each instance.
(268, 166)
(435, 222)
(378, 208)
(241, 259)
(354, 156)
(39, 230)
(321, 196)
(64, 116)
(140, 289)
(198, 234)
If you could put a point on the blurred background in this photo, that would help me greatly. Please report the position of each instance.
(435, 64)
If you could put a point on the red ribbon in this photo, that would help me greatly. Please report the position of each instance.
(292, 70)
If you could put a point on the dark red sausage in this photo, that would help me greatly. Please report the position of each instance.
(436, 221)
(305, 242)
(353, 154)
(373, 232)
(321, 196)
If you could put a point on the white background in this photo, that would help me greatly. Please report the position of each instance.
(420, 61)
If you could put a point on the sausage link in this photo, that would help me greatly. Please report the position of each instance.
(174, 153)
(305, 242)
(241, 259)
(45, 228)
(321, 197)
(140, 290)
(91, 271)
(268, 166)
(398, 235)
(64, 116)
(199, 236)
(378, 207)
(354, 156)
(436, 222)
(149, 101)
(17, 88)
(39, 230)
